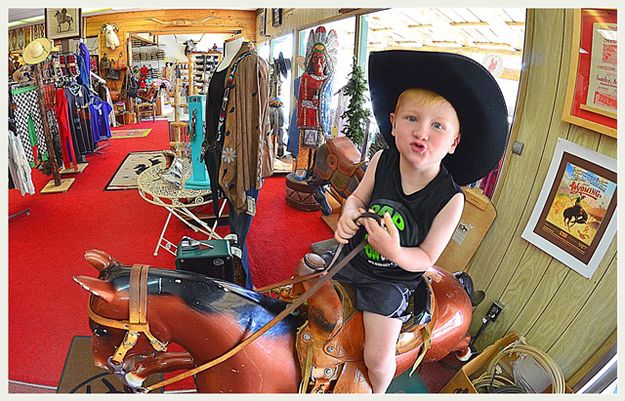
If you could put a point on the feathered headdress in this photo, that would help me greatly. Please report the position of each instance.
(320, 41)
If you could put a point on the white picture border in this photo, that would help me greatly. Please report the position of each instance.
(528, 234)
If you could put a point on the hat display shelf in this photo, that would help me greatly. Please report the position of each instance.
(201, 68)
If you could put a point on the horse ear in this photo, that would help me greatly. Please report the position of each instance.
(99, 288)
(99, 259)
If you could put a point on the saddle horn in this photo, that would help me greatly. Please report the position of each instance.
(100, 259)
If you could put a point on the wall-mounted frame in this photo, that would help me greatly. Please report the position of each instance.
(263, 22)
(276, 17)
(591, 90)
(573, 219)
(91, 42)
(63, 23)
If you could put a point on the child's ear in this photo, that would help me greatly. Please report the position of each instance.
(392, 118)
(453, 146)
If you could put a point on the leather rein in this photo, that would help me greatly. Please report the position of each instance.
(137, 322)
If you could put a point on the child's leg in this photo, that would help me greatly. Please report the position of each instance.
(381, 335)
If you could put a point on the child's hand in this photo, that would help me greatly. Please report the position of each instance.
(384, 239)
(347, 225)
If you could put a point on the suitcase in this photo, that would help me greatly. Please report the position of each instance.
(213, 258)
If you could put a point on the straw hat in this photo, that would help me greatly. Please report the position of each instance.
(37, 51)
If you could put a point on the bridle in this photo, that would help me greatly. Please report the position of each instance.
(137, 317)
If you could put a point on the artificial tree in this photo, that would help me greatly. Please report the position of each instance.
(356, 114)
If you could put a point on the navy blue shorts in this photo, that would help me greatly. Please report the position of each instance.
(374, 295)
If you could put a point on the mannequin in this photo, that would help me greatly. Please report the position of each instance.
(231, 47)
(237, 153)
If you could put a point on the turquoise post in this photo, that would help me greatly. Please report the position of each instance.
(199, 178)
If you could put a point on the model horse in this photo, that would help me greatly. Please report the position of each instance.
(337, 163)
(209, 317)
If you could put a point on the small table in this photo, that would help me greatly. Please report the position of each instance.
(179, 203)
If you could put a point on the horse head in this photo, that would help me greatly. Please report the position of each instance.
(337, 163)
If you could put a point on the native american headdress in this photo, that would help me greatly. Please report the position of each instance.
(323, 42)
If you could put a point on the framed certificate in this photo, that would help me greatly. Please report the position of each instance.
(591, 95)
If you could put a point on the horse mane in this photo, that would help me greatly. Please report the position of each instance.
(200, 292)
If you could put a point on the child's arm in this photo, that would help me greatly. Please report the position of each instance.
(424, 256)
(356, 203)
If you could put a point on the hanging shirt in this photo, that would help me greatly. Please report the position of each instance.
(84, 63)
(19, 167)
(99, 111)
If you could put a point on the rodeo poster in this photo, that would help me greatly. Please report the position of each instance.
(573, 219)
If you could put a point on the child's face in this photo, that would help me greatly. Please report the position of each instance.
(425, 134)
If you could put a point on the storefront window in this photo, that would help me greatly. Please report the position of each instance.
(284, 44)
(490, 36)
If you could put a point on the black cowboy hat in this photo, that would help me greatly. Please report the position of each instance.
(466, 84)
(284, 64)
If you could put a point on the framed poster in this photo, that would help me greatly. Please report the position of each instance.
(574, 217)
(263, 22)
(276, 17)
(591, 100)
(62, 23)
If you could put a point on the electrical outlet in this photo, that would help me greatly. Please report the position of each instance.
(494, 311)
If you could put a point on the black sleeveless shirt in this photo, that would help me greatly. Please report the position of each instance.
(412, 214)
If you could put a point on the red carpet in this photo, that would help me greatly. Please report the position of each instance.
(46, 307)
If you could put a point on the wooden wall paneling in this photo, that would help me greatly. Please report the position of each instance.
(520, 101)
(535, 267)
(519, 190)
(593, 364)
(567, 302)
(529, 306)
(590, 327)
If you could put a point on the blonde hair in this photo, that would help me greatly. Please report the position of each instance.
(421, 97)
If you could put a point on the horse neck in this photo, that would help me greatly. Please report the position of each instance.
(221, 327)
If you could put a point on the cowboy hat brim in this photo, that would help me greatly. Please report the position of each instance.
(466, 84)
(284, 65)
(47, 46)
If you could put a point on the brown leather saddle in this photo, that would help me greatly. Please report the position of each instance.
(330, 343)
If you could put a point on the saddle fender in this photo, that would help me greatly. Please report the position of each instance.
(330, 344)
